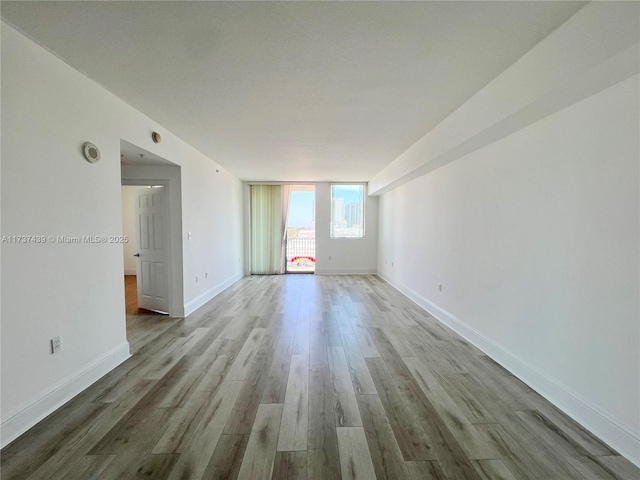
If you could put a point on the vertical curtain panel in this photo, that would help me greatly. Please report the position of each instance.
(286, 202)
(266, 229)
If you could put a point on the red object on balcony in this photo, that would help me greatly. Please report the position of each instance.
(312, 259)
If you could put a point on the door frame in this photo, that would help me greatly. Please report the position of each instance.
(175, 308)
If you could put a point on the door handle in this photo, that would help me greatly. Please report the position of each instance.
(136, 254)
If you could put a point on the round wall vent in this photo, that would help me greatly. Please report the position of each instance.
(91, 152)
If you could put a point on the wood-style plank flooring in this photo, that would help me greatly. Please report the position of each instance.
(307, 377)
(131, 297)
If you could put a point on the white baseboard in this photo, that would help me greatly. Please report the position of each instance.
(610, 430)
(200, 300)
(130, 271)
(26, 416)
(346, 271)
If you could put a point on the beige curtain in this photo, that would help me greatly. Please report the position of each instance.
(286, 201)
(266, 229)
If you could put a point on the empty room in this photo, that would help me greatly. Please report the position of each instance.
(320, 240)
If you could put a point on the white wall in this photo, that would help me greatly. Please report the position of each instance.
(212, 212)
(535, 239)
(129, 195)
(76, 290)
(348, 255)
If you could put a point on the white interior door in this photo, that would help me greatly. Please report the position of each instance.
(153, 249)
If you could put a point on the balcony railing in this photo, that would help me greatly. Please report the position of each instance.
(301, 254)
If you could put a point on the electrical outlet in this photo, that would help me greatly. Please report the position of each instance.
(440, 286)
(56, 344)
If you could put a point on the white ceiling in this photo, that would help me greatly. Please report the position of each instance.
(292, 91)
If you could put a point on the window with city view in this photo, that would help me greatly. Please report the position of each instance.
(347, 211)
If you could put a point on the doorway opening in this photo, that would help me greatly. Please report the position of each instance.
(146, 249)
(301, 230)
(143, 234)
(151, 217)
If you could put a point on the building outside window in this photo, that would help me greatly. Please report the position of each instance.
(347, 211)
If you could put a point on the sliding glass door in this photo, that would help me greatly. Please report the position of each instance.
(301, 230)
(283, 238)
